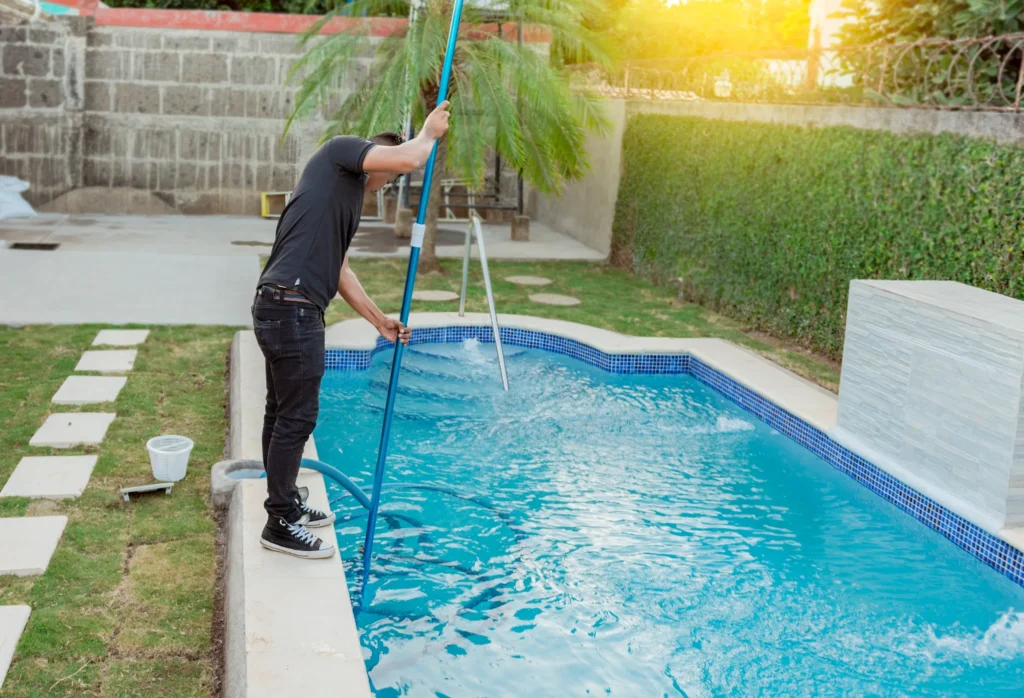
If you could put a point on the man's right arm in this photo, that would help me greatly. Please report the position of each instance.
(412, 155)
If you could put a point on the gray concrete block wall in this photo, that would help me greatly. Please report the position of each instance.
(41, 101)
(933, 380)
(195, 117)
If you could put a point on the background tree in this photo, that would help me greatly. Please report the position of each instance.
(976, 73)
(908, 20)
(505, 97)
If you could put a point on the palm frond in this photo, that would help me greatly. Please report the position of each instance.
(506, 97)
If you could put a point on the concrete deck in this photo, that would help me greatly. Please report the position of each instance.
(218, 236)
(172, 270)
(77, 286)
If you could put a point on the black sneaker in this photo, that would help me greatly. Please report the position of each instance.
(294, 539)
(314, 517)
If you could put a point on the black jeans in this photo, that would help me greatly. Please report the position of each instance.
(291, 336)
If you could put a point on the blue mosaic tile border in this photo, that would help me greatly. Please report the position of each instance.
(349, 359)
(998, 554)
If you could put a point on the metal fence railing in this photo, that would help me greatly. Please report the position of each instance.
(976, 73)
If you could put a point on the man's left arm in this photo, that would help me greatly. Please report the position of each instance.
(353, 294)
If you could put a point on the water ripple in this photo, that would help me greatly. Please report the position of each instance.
(639, 536)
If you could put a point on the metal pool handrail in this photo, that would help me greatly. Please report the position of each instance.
(474, 227)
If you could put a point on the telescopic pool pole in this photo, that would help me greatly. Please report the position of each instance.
(418, 230)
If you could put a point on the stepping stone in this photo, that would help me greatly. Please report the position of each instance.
(87, 390)
(29, 542)
(73, 429)
(50, 477)
(554, 299)
(12, 624)
(435, 296)
(112, 361)
(120, 338)
(528, 280)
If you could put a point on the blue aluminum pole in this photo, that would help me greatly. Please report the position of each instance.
(418, 230)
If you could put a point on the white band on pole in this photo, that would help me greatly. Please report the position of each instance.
(418, 231)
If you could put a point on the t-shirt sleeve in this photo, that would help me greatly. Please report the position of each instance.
(347, 153)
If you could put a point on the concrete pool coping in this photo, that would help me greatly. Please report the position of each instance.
(289, 627)
(322, 653)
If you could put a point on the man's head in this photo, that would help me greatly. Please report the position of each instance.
(376, 180)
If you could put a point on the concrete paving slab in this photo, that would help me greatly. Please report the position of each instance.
(73, 429)
(80, 286)
(109, 361)
(29, 542)
(50, 477)
(88, 390)
(12, 624)
(554, 299)
(435, 296)
(120, 338)
(528, 280)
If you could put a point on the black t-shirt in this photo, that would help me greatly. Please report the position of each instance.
(317, 225)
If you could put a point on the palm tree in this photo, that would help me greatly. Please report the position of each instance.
(506, 97)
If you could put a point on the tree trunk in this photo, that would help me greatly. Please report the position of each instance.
(428, 255)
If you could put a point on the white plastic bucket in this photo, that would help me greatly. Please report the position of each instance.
(169, 456)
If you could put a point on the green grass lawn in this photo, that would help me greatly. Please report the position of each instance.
(612, 299)
(126, 606)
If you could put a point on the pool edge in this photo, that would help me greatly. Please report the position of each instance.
(289, 622)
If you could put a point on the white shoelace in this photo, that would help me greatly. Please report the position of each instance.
(313, 513)
(300, 532)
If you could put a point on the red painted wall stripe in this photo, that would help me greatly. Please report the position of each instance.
(80, 4)
(272, 23)
(241, 21)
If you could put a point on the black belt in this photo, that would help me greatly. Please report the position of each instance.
(282, 294)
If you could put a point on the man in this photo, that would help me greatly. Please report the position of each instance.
(308, 265)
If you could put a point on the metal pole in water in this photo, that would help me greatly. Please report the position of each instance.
(418, 230)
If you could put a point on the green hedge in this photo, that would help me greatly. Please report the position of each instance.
(769, 223)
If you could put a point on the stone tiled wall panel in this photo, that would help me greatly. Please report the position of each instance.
(939, 392)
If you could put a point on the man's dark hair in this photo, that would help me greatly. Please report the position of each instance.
(388, 138)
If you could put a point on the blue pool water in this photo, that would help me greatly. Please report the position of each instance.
(638, 536)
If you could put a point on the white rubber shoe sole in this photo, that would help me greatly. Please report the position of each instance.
(321, 554)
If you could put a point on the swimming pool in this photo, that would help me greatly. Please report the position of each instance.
(640, 536)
